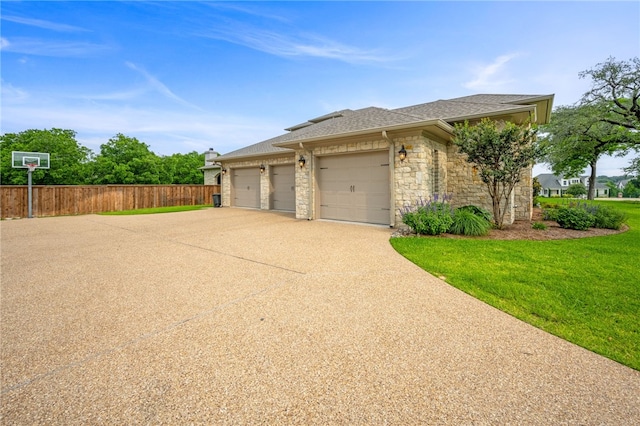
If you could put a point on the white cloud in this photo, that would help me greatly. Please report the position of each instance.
(166, 131)
(159, 86)
(4, 43)
(492, 76)
(48, 25)
(11, 93)
(277, 44)
(32, 46)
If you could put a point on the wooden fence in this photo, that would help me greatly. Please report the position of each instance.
(49, 200)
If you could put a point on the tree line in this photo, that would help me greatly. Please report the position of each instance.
(122, 160)
(605, 121)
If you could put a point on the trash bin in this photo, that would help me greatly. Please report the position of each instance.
(216, 200)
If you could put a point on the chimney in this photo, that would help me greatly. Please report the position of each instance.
(210, 157)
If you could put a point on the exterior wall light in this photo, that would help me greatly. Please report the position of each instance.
(301, 161)
(224, 172)
(402, 153)
(262, 168)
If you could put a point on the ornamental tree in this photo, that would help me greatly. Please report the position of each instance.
(500, 151)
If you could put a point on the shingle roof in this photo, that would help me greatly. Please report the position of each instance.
(346, 122)
(457, 110)
(551, 181)
(548, 180)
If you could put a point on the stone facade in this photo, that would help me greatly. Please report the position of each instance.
(265, 178)
(211, 176)
(432, 168)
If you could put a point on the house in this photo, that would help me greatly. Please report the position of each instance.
(364, 165)
(555, 186)
(211, 168)
(620, 185)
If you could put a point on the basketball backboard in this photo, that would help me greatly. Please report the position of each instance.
(19, 159)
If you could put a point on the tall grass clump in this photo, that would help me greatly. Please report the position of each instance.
(428, 217)
(465, 222)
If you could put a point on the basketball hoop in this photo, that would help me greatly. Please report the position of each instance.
(31, 166)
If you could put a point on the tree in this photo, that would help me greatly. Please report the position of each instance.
(576, 138)
(632, 189)
(616, 90)
(634, 168)
(126, 160)
(536, 186)
(182, 169)
(613, 189)
(576, 190)
(69, 161)
(500, 151)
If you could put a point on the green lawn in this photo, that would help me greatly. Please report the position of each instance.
(158, 210)
(586, 291)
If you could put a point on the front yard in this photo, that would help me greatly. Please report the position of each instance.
(584, 290)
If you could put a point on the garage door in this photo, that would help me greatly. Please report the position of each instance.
(246, 188)
(283, 182)
(355, 187)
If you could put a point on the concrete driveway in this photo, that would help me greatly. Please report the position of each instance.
(229, 316)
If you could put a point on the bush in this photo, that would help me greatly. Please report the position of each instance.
(574, 218)
(478, 211)
(576, 190)
(465, 222)
(550, 213)
(539, 226)
(428, 218)
(608, 218)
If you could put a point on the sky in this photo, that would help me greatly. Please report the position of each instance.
(187, 76)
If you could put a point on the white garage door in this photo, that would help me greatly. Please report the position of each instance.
(283, 182)
(246, 187)
(355, 187)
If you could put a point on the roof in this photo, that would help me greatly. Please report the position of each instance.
(551, 181)
(439, 115)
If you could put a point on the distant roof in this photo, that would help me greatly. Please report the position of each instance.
(441, 114)
(551, 181)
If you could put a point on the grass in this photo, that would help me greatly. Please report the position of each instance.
(155, 210)
(586, 291)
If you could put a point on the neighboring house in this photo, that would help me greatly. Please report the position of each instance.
(365, 165)
(620, 185)
(556, 186)
(211, 168)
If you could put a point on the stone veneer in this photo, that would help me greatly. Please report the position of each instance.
(265, 183)
(431, 167)
(467, 188)
(211, 176)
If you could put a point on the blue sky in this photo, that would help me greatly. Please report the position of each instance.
(185, 76)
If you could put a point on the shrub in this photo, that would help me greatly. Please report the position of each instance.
(478, 211)
(574, 218)
(550, 213)
(607, 217)
(428, 218)
(577, 190)
(539, 226)
(465, 222)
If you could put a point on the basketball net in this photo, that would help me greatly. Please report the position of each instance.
(31, 167)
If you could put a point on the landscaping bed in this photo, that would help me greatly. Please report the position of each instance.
(522, 230)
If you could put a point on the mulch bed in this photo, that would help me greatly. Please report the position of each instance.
(522, 230)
